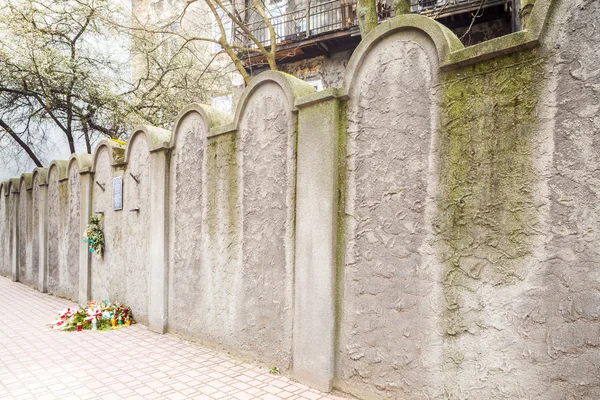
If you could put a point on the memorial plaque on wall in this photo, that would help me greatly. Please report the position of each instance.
(118, 193)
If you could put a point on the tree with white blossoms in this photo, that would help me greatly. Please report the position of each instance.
(65, 68)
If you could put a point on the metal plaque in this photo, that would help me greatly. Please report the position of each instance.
(118, 193)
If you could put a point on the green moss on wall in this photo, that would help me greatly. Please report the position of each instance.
(211, 185)
(232, 182)
(487, 215)
(63, 193)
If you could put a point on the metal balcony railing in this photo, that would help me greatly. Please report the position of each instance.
(318, 18)
(444, 8)
(329, 16)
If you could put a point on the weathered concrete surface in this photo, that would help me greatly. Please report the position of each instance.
(267, 140)
(389, 343)
(13, 204)
(316, 241)
(4, 231)
(63, 230)
(25, 233)
(188, 283)
(560, 311)
(40, 223)
(220, 275)
(107, 275)
(136, 232)
(488, 221)
(466, 262)
(36, 211)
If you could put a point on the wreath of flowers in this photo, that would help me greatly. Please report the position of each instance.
(94, 237)
(98, 315)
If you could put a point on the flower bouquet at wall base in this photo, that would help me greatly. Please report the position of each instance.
(97, 316)
(94, 237)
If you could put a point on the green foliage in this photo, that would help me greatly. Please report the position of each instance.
(275, 371)
(94, 236)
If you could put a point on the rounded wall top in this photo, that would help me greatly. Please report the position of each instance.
(83, 160)
(444, 40)
(211, 116)
(156, 138)
(293, 87)
(43, 176)
(61, 169)
(116, 152)
(4, 188)
(14, 185)
(27, 180)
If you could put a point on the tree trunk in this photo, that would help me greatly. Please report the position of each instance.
(21, 143)
(367, 16)
(401, 7)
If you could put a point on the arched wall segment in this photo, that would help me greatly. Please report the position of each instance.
(191, 295)
(107, 275)
(560, 290)
(292, 88)
(39, 227)
(390, 273)
(81, 162)
(63, 211)
(115, 152)
(156, 138)
(136, 224)
(25, 232)
(267, 134)
(5, 268)
(210, 116)
(444, 41)
(13, 227)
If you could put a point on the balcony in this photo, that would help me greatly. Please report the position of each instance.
(444, 8)
(332, 26)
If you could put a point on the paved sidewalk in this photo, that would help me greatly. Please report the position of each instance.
(39, 363)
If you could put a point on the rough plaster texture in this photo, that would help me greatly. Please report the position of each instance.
(135, 242)
(469, 245)
(123, 273)
(34, 267)
(315, 271)
(63, 268)
(25, 236)
(13, 203)
(388, 342)
(4, 235)
(108, 279)
(487, 222)
(189, 292)
(267, 152)
(560, 312)
(72, 237)
(220, 271)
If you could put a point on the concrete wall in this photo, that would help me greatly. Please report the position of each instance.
(63, 232)
(25, 232)
(135, 228)
(108, 279)
(389, 275)
(188, 273)
(427, 230)
(5, 266)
